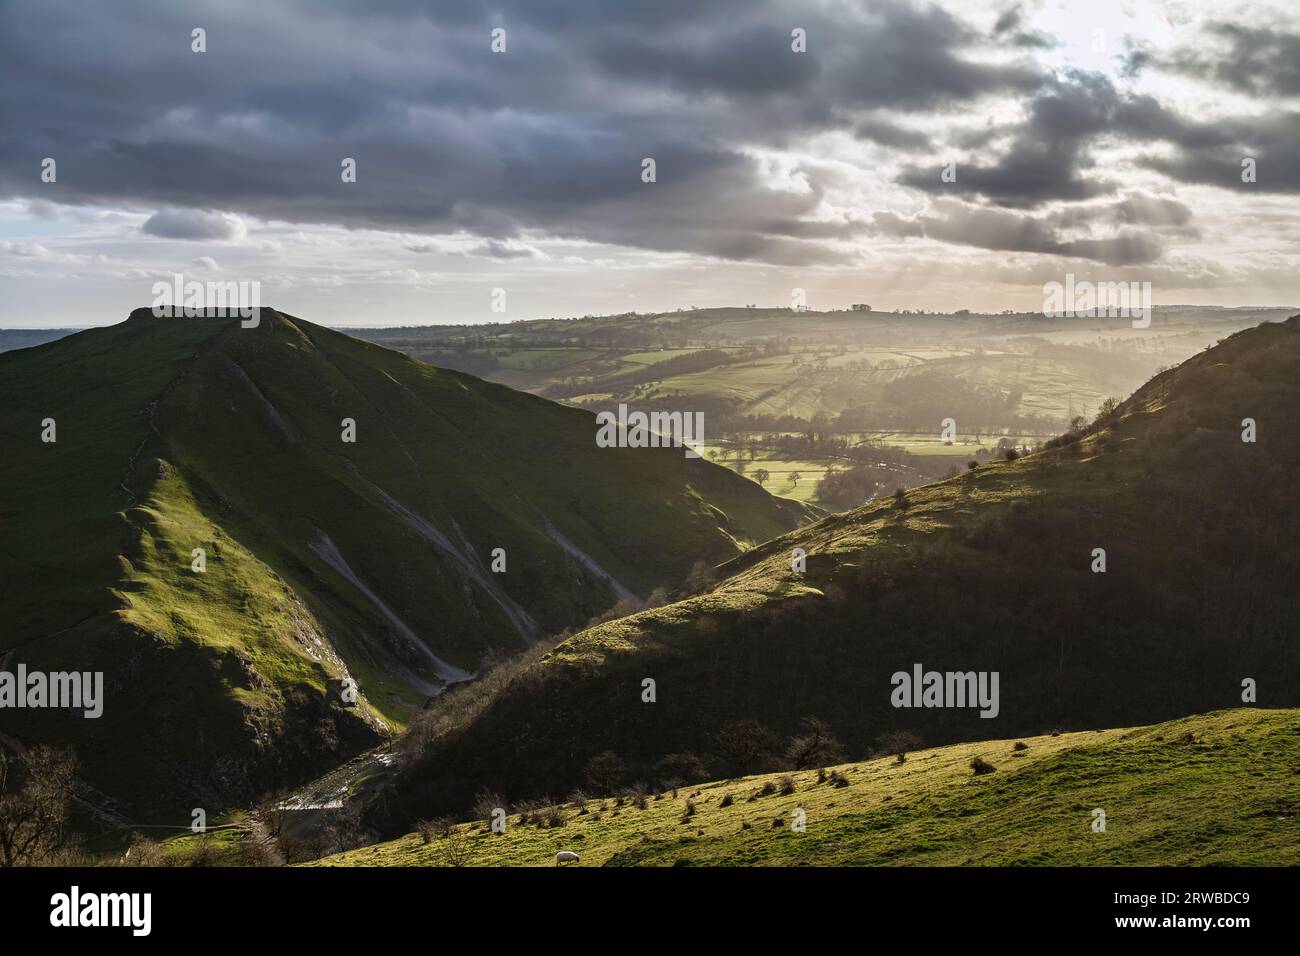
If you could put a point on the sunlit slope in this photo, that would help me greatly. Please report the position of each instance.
(989, 571)
(325, 559)
(1218, 789)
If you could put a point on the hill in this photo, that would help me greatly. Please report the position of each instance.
(850, 371)
(993, 571)
(326, 559)
(1210, 790)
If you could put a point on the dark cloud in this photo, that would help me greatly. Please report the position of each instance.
(1257, 60)
(1007, 28)
(193, 224)
(890, 134)
(449, 137)
(1049, 157)
(1005, 230)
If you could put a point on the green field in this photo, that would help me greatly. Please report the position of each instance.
(1210, 790)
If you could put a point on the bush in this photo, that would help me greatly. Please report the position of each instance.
(552, 817)
(787, 784)
(898, 743)
(485, 803)
(981, 766)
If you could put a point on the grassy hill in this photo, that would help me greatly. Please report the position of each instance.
(325, 559)
(989, 571)
(1218, 789)
(1022, 372)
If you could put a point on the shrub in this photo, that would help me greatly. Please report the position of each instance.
(981, 766)
(787, 784)
(552, 817)
(898, 743)
(485, 803)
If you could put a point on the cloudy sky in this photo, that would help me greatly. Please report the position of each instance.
(1103, 138)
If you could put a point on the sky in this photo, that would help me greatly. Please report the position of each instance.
(500, 153)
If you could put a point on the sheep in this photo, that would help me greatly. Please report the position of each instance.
(566, 856)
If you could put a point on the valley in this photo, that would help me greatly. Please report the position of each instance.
(497, 590)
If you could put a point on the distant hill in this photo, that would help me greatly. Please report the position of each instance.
(11, 339)
(989, 571)
(325, 560)
(849, 371)
(1210, 790)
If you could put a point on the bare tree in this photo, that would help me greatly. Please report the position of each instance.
(815, 746)
(34, 811)
(746, 746)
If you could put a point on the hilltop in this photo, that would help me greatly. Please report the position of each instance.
(1212, 790)
(326, 560)
(992, 570)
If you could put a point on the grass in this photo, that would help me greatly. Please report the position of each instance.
(1217, 789)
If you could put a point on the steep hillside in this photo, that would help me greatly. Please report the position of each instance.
(326, 559)
(991, 571)
(1210, 790)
